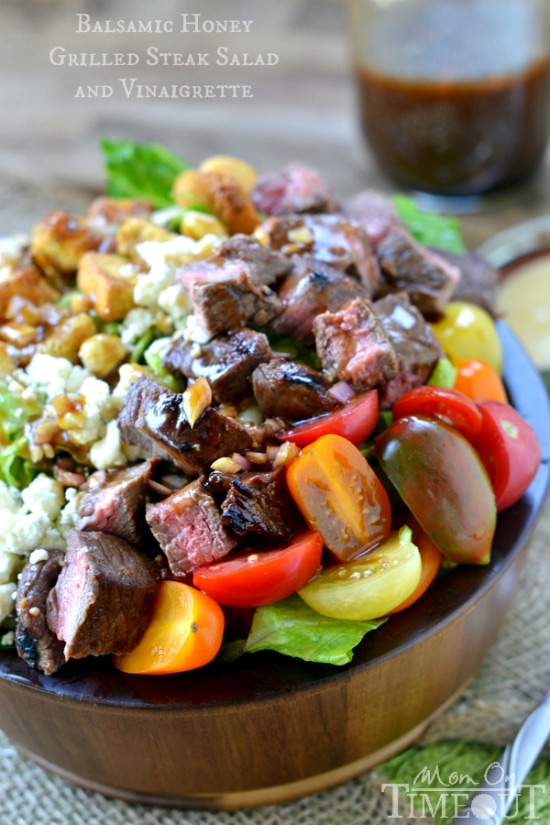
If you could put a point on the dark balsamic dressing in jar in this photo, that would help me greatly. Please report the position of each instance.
(454, 94)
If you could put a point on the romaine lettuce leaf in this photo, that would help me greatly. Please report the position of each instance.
(15, 412)
(141, 170)
(16, 470)
(291, 627)
(430, 228)
(444, 374)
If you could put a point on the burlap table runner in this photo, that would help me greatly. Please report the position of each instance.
(513, 677)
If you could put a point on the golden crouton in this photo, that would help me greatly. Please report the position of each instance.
(7, 365)
(30, 283)
(231, 167)
(105, 211)
(68, 336)
(108, 281)
(198, 224)
(102, 353)
(59, 241)
(224, 196)
(134, 231)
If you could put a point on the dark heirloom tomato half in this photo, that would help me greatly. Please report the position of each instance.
(448, 405)
(509, 449)
(443, 482)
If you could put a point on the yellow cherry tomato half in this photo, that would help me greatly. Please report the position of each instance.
(468, 331)
(371, 586)
(185, 632)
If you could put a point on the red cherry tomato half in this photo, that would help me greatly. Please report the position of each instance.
(509, 449)
(255, 579)
(445, 404)
(430, 556)
(355, 421)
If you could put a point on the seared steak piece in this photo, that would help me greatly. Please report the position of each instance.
(114, 501)
(314, 287)
(227, 361)
(414, 342)
(423, 274)
(103, 596)
(375, 212)
(332, 239)
(266, 265)
(226, 295)
(188, 527)
(256, 502)
(153, 418)
(295, 188)
(233, 288)
(34, 640)
(285, 389)
(478, 279)
(354, 347)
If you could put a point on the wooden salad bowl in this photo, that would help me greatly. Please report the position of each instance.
(268, 728)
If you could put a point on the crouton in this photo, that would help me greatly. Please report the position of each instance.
(29, 283)
(7, 365)
(223, 195)
(105, 211)
(108, 281)
(59, 241)
(68, 336)
(134, 231)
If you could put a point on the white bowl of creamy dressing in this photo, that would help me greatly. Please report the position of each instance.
(522, 255)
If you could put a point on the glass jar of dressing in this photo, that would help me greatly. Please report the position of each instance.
(454, 95)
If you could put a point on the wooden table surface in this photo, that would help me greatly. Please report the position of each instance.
(303, 107)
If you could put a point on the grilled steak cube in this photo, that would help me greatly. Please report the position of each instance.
(295, 188)
(153, 418)
(285, 389)
(354, 347)
(313, 287)
(103, 596)
(375, 212)
(114, 502)
(428, 279)
(34, 640)
(414, 342)
(331, 239)
(189, 529)
(226, 295)
(257, 503)
(265, 265)
(227, 361)
(478, 280)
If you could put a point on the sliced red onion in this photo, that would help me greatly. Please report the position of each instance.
(342, 391)
(240, 459)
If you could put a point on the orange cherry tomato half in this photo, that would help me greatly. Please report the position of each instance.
(340, 495)
(430, 556)
(185, 632)
(445, 404)
(354, 421)
(254, 579)
(479, 381)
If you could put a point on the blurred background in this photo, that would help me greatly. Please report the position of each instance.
(302, 107)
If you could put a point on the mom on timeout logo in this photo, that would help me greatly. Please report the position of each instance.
(431, 795)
